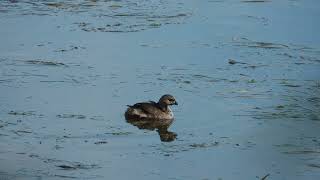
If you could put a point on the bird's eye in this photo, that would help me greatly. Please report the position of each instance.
(171, 100)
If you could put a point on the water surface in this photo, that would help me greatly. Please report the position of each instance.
(246, 75)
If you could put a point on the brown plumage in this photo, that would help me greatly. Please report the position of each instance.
(151, 109)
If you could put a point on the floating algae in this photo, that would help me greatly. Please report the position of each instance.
(72, 116)
(46, 63)
(132, 16)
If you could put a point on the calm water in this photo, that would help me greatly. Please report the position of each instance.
(246, 75)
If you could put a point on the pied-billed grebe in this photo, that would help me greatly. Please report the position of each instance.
(151, 109)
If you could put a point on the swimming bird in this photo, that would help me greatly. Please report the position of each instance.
(151, 109)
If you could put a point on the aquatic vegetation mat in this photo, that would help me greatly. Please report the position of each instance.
(105, 15)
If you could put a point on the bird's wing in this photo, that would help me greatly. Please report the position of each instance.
(148, 107)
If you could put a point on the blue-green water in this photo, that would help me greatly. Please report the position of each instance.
(246, 75)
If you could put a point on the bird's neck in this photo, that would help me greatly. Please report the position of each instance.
(163, 106)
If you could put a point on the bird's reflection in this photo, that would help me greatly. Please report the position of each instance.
(161, 125)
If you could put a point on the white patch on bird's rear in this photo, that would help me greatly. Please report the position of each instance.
(139, 113)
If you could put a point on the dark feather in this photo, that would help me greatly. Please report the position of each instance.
(148, 107)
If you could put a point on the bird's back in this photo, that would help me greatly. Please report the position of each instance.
(149, 109)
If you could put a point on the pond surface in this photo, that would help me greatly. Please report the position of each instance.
(246, 75)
